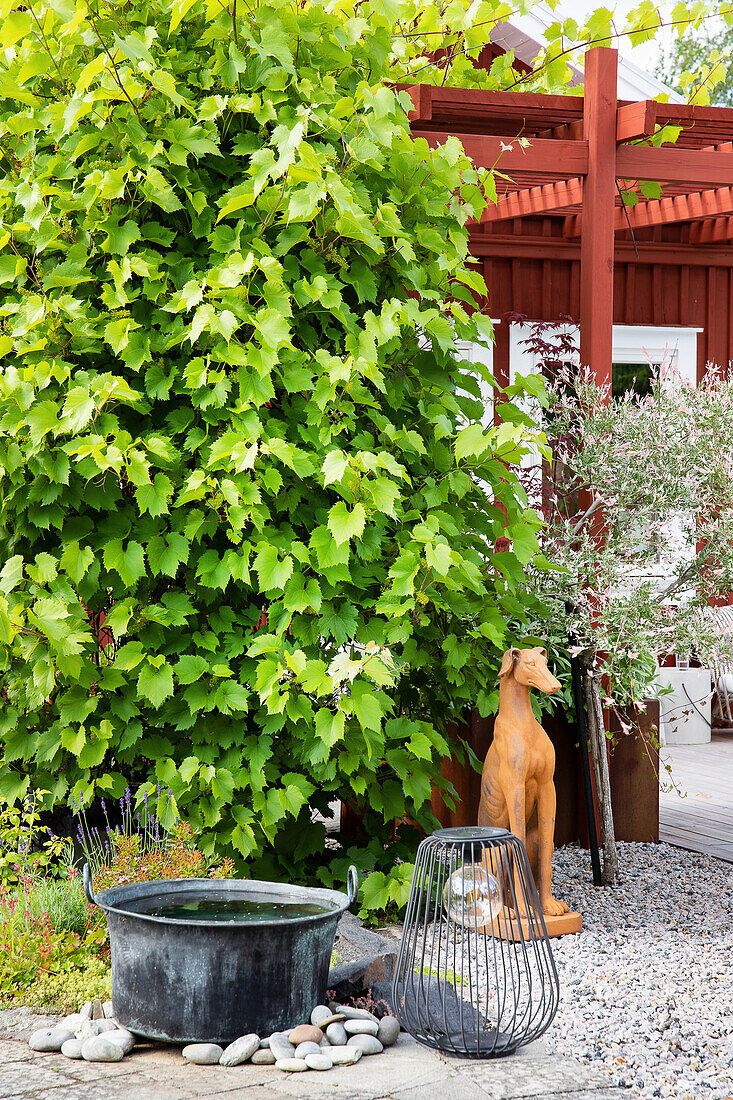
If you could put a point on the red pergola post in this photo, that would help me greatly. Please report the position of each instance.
(599, 195)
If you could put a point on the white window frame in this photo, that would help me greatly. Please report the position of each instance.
(672, 345)
(476, 353)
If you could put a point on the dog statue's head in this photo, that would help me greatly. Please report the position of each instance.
(529, 667)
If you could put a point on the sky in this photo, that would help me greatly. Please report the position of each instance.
(646, 55)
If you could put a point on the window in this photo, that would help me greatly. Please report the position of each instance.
(632, 378)
(475, 353)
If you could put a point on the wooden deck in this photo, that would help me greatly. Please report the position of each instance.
(699, 814)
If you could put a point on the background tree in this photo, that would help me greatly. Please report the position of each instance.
(637, 499)
(698, 65)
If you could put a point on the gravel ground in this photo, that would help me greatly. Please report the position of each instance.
(647, 987)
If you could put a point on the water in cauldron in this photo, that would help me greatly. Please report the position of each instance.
(195, 906)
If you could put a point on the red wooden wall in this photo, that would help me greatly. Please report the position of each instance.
(645, 293)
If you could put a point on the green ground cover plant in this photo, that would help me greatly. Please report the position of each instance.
(247, 549)
(54, 945)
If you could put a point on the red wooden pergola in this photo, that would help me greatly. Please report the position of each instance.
(559, 240)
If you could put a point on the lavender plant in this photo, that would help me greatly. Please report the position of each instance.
(153, 825)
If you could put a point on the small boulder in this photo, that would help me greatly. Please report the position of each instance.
(203, 1054)
(336, 1034)
(344, 1056)
(241, 1050)
(265, 1043)
(86, 1010)
(368, 1044)
(361, 1027)
(71, 1048)
(318, 1061)
(49, 1040)
(291, 1065)
(99, 1048)
(263, 1057)
(97, 1009)
(108, 1010)
(305, 1033)
(389, 1030)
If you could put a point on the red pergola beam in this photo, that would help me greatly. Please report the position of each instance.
(599, 197)
(568, 131)
(541, 156)
(535, 200)
(636, 120)
(422, 102)
(536, 247)
(633, 120)
(677, 208)
(699, 168)
(470, 109)
(711, 230)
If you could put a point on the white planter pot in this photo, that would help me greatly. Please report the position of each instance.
(684, 716)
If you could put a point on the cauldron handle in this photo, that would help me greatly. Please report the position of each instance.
(87, 880)
(352, 884)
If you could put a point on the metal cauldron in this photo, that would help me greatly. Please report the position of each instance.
(186, 981)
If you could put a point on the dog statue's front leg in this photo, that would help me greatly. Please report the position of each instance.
(517, 807)
(546, 808)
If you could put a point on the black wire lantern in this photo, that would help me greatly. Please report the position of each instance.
(475, 973)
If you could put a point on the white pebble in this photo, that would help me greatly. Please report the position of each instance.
(647, 987)
(318, 1061)
(202, 1054)
(123, 1038)
(291, 1065)
(361, 1027)
(49, 1040)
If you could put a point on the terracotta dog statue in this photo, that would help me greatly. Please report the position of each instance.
(517, 785)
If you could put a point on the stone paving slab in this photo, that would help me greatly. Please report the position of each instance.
(518, 1077)
(407, 1071)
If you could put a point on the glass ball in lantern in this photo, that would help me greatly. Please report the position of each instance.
(472, 896)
